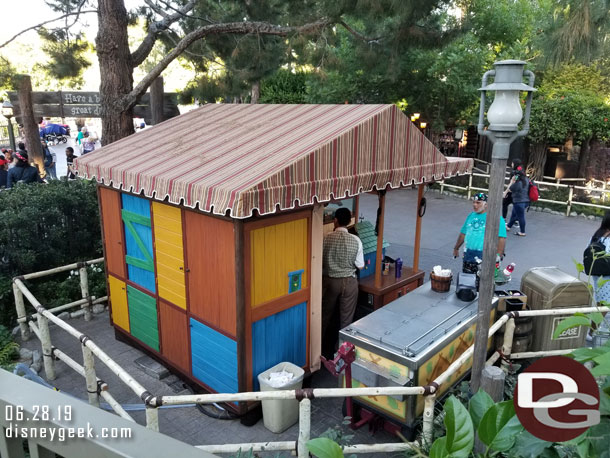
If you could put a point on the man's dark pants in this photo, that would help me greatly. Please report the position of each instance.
(341, 291)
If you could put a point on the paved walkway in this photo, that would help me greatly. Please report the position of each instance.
(551, 240)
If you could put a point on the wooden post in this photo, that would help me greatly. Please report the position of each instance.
(315, 318)
(156, 100)
(152, 418)
(84, 288)
(570, 196)
(47, 347)
(90, 377)
(304, 428)
(507, 344)
(492, 382)
(420, 195)
(255, 93)
(20, 306)
(379, 239)
(469, 185)
(428, 420)
(30, 127)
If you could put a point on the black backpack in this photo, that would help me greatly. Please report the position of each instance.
(595, 259)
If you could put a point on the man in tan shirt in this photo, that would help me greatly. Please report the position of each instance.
(342, 257)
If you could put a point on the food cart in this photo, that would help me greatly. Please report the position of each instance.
(213, 225)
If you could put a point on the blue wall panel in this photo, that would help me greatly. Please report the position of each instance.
(278, 338)
(138, 275)
(214, 358)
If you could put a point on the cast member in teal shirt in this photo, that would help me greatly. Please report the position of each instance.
(473, 233)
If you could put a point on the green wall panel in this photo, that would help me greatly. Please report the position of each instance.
(143, 317)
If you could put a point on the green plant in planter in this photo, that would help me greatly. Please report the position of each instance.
(496, 425)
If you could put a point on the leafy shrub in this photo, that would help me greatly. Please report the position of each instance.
(8, 348)
(46, 226)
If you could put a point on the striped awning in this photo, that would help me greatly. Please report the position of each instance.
(238, 158)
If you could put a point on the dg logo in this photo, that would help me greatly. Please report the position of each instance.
(557, 399)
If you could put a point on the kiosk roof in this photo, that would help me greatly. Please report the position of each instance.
(238, 158)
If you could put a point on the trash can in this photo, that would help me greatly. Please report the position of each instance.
(281, 414)
(550, 287)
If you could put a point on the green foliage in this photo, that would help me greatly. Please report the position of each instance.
(46, 226)
(8, 348)
(570, 103)
(323, 447)
(284, 86)
(67, 59)
(459, 440)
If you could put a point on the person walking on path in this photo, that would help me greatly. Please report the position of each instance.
(70, 156)
(601, 283)
(519, 188)
(472, 235)
(342, 257)
(50, 161)
(508, 196)
(23, 172)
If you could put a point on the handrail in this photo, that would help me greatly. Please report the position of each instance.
(152, 402)
(542, 185)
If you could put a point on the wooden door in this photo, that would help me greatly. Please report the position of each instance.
(110, 204)
(169, 251)
(174, 335)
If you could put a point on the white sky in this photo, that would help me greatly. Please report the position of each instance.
(20, 14)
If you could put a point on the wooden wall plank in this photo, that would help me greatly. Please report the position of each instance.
(214, 358)
(118, 302)
(210, 245)
(110, 203)
(278, 338)
(315, 303)
(169, 253)
(142, 277)
(143, 317)
(174, 335)
(277, 250)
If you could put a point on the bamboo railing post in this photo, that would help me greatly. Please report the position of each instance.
(47, 347)
(304, 428)
(570, 195)
(469, 186)
(152, 418)
(90, 377)
(442, 186)
(84, 288)
(20, 307)
(507, 344)
(428, 420)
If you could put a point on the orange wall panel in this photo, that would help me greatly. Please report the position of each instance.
(174, 336)
(110, 203)
(210, 258)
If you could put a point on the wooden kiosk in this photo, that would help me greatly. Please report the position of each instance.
(213, 227)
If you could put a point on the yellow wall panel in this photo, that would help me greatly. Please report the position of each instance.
(118, 300)
(275, 252)
(169, 253)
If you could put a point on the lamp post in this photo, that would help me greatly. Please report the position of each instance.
(7, 112)
(504, 116)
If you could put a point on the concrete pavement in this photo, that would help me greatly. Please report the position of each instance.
(551, 241)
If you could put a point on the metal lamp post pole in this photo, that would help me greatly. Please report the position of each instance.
(502, 131)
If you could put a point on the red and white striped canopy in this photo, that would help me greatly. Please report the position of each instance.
(238, 157)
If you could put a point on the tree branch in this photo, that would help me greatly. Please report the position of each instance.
(241, 28)
(140, 54)
(37, 26)
(357, 34)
